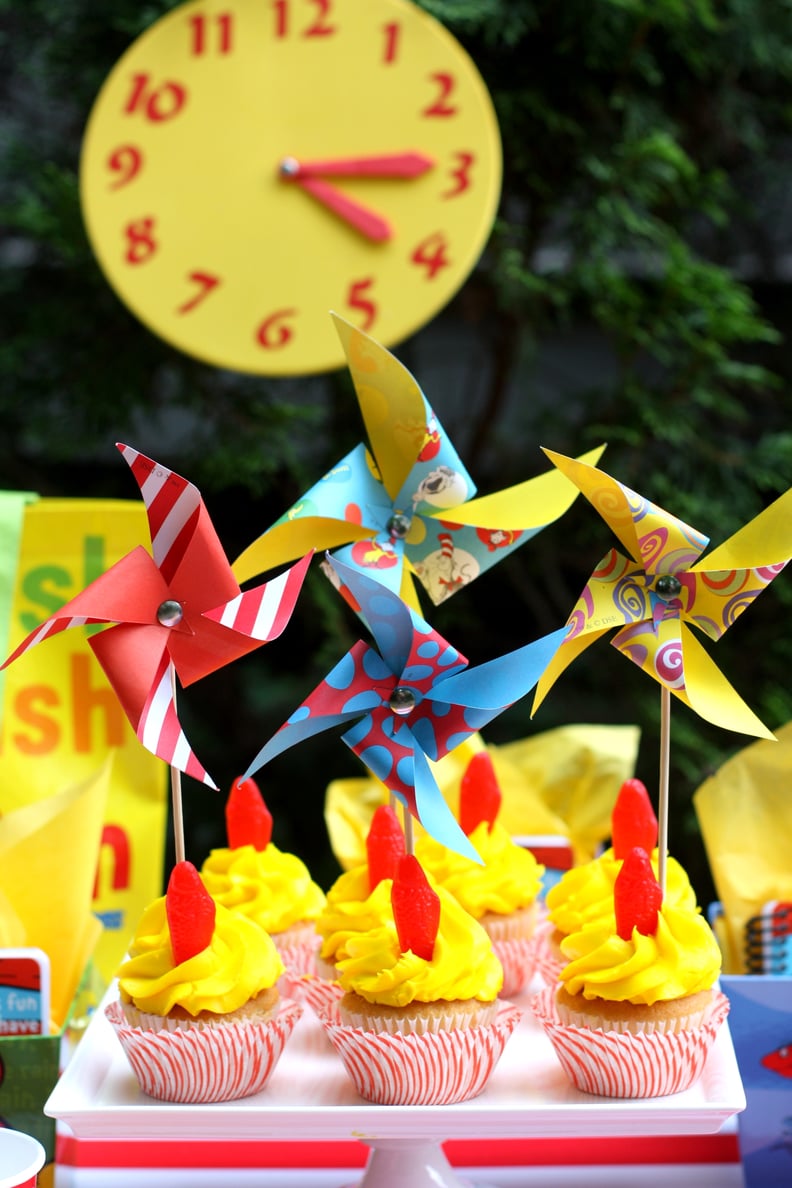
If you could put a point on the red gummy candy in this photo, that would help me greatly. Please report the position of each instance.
(191, 912)
(384, 845)
(479, 793)
(633, 820)
(416, 908)
(637, 896)
(248, 820)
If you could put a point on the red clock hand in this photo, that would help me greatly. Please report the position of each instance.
(406, 165)
(362, 218)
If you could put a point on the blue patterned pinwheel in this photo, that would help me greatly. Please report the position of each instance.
(412, 700)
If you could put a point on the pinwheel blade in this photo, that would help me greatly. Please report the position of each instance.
(731, 576)
(497, 684)
(395, 752)
(348, 504)
(388, 618)
(296, 731)
(184, 543)
(765, 542)
(262, 613)
(434, 814)
(713, 600)
(661, 542)
(160, 731)
(135, 661)
(406, 439)
(380, 556)
(452, 551)
(130, 591)
(671, 654)
(344, 696)
(528, 506)
(570, 649)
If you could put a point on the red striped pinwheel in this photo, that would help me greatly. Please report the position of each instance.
(662, 589)
(177, 609)
(409, 700)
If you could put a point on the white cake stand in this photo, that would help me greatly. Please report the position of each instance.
(310, 1096)
(395, 1162)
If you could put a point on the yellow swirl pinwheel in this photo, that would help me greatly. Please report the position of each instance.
(662, 589)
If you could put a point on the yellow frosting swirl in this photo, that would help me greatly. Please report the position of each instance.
(682, 958)
(238, 964)
(584, 894)
(463, 964)
(270, 887)
(351, 909)
(510, 877)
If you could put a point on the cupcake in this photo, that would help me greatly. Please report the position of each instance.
(636, 1010)
(360, 899)
(199, 1013)
(271, 887)
(584, 894)
(357, 902)
(501, 892)
(419, 1021)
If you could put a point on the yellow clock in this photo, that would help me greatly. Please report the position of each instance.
(250, 165)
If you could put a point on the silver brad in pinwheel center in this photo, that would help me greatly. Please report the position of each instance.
(399, 525)
(170, 613)
(402, 701)
(668, 586)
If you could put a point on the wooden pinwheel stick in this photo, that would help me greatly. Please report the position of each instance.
(176, 795)
(178, 820)
(407, 823)
(662, 806)
(409, 840)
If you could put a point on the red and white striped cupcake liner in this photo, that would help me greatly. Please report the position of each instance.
(205, 1064)
(298, 956)
(621, 1064)
(547, 962)
(317, 993)
(436, 1068)
(518, 958)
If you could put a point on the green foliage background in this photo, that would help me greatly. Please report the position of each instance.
(647, 159)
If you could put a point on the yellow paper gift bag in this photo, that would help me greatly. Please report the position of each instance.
(61, 720)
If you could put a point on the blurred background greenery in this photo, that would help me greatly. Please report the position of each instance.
(635, 290)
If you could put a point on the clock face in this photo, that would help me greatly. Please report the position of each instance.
(250, 165)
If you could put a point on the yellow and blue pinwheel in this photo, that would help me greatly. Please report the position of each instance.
(402, 507)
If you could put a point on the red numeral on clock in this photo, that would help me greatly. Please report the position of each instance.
(161, 103)
(141, 244)
(274, 331)
(392, 31)
(321, 26)
(445, 85)
(357, 298)
(460, 175)
(125, 162)
(206, 282)
(431, 254)
(200, 31)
